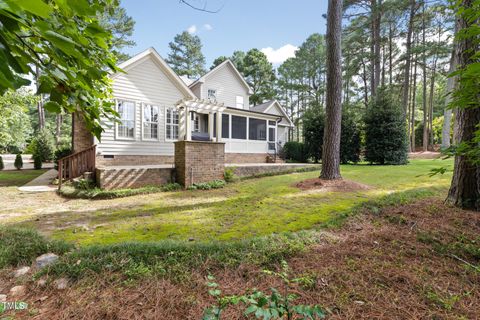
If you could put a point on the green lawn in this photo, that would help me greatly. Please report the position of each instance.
(18, 178)
(241, 210)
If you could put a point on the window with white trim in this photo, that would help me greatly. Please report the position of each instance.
(150, 121)
(171, 124)
(212, 94)
(239, 102)
(126, 127)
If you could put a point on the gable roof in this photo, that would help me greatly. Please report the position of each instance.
(220, 66)
(262, 107)
(153, 54)
(265, 107)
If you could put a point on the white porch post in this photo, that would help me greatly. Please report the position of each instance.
(188, 124)
(219, 126)
(210, 125)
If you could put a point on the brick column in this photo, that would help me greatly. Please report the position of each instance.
(81, 138)
(199, 161)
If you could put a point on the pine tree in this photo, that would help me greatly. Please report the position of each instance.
(333, 114)
(259, 75)
(186, 57)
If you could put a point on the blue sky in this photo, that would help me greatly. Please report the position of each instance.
(276, 26)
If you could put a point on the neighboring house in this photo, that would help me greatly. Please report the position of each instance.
(157, 108)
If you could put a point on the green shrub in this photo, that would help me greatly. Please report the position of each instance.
(295, 151)
(313, 127)
(18, 162)
(2, 166)
(43, 146)
(229, 175)
(21, 246)
(83, 184)
(215, 184)
(350, 139)
(37, 162)
(171, 187)
(385, 131)
(61, 153)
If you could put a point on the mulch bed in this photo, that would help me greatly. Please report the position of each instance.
(382, 265)
(339, 185)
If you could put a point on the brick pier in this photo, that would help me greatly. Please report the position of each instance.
(198, 161)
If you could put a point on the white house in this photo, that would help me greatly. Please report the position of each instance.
(157, 108)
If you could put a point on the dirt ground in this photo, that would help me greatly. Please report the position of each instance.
(331, 185)
(404, 262)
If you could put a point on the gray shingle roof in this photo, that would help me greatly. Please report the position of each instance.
(262, 107)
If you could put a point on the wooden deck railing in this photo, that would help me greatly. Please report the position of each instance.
(76, 164)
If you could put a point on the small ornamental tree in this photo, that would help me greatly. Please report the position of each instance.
(385, 131)
(350, 140)
(43, 146)
(18, 162)
(37, 163)
(2, 166)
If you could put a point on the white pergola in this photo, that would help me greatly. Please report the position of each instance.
(204, 106)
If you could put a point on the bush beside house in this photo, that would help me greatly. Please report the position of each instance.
(2, 166)
(295, 151)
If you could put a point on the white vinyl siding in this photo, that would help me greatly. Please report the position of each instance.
(145, 82)
(227, 85)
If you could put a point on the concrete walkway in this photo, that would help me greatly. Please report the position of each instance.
(41, 183)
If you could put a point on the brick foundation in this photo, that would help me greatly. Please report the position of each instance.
(197, 162)
(246, 157)
(133, 160)
(81, 138)
(112, 178)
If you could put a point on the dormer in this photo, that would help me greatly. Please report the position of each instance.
(223, 84)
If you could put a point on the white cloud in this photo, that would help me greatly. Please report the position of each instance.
(192, 29)
(277, 56)
(207, 27)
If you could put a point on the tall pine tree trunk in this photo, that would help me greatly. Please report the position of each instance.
(465, 188)
(406, 84)
(412, 115)
(430, 107)
(447, 113)
(333, 115)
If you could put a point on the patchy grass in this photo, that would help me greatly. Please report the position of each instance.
(70, 191)
(375, 266)
(18, 178)
(19, 246)
(246, 209)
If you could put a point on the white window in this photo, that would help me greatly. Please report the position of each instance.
(171, 124)
(150, 122)
(126, 127)
(212, 94)
(239, 101)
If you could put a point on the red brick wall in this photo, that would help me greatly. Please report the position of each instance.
(197, 162)
(120, 160)
(108, 178)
